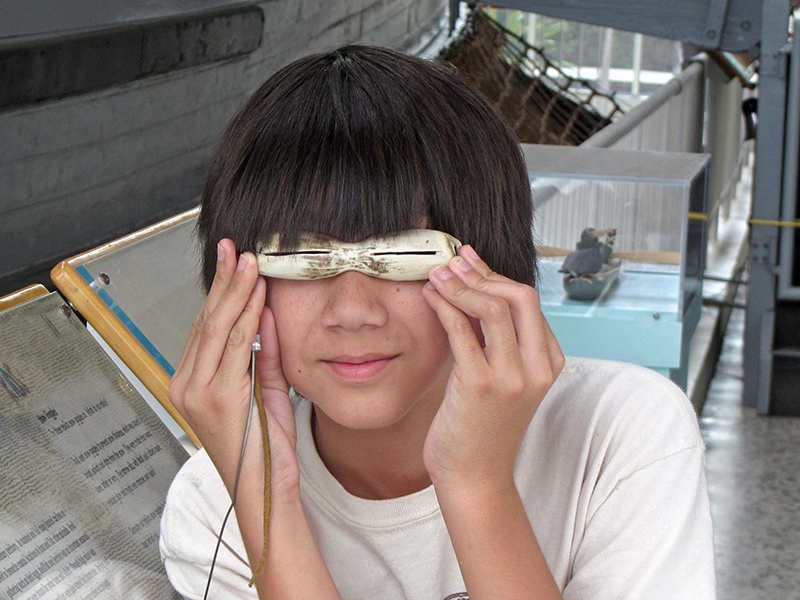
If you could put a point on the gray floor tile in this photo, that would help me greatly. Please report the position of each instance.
(753, 466)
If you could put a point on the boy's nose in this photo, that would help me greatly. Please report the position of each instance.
(354, 301)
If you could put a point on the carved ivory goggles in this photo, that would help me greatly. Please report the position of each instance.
(406, 256)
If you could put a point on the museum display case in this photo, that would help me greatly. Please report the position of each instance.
(622, 239)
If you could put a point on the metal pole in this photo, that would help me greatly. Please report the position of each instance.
(613, 132)
(605, 66)
(531, 29)
(637, 63)
(767, 177)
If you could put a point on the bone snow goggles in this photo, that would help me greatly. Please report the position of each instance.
(406, 256)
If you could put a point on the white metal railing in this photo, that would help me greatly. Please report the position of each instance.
(671, 119)
(723, 141)
(697, 111)
(614, 59)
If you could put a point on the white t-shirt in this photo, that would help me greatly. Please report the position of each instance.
(611, 471)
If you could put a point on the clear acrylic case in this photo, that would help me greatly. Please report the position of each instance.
(644, 303)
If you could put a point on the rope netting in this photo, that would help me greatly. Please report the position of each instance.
(539, 101)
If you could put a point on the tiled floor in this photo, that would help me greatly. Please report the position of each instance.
(754, 484)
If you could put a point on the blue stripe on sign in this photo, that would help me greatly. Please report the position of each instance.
(126, 321)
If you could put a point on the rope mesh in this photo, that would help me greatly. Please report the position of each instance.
(539, 101)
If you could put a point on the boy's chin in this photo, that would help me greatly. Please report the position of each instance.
(365, 414)
(361, 418)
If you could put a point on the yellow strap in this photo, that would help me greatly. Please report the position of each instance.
(262, 417)
(694, 216)
(795, 223)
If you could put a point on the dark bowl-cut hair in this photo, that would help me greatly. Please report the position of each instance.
(368, 141)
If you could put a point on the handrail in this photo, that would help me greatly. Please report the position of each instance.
(618, 129)
(625, 124)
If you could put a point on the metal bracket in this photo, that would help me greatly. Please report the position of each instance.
(776, 64)
(453, 9)
(764, 385)
(762, 251)
(783, 61)
(715, 21)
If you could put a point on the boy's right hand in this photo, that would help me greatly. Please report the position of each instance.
(211, 390)
(211, 386)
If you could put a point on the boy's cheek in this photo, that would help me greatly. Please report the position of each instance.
(292, 369)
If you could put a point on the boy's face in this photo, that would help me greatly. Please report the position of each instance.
(367, 352)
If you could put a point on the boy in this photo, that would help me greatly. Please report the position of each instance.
(436, 443)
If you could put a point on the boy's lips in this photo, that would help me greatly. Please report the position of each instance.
(359, 367)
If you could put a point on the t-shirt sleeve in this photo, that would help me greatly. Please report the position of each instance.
(646, 529)
(195, 508)
(651, 538)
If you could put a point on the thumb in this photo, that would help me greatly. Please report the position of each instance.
(268, 359)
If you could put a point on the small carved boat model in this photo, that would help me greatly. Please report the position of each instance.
(590, 269)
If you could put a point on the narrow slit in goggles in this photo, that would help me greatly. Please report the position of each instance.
(406, 256)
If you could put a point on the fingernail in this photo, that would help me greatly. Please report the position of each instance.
(470, 251)
(220, 252)
(463, 265)
(242, 263)
(429, 285)
(442, 273)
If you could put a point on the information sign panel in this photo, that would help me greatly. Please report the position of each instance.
(85, 465)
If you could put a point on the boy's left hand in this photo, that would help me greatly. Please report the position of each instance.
(506, 359)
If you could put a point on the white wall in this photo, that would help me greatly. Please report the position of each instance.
(83, 170)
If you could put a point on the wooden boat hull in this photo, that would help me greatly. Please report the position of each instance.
(590, 287)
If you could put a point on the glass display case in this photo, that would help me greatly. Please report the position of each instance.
(621, 238)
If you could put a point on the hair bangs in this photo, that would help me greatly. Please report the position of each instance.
(348, 179)
(342, 163)
(363, 142)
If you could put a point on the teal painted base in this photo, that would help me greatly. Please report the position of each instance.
(636, 320)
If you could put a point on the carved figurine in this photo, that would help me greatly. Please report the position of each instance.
(590, 269)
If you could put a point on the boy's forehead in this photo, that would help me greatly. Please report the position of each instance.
(404, 256)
